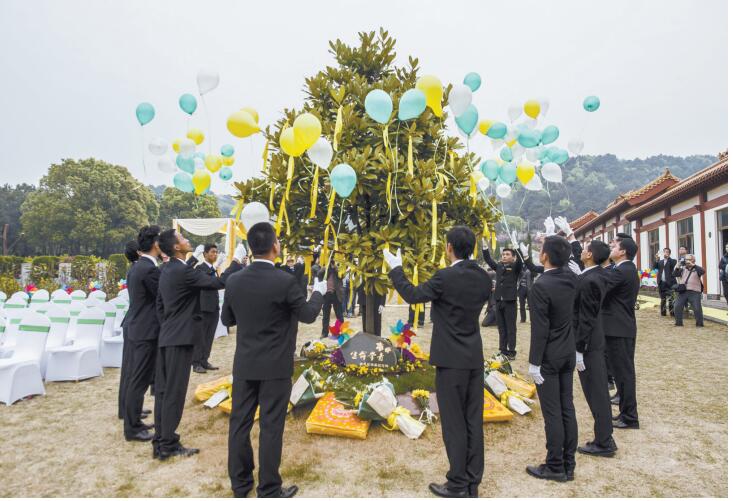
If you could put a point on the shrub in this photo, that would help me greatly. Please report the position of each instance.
(8, 284)
(117, 266)
(44, 268)
(10, 265)
(84, 268)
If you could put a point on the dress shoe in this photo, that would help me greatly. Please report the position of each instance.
(199, 369)
(593, 449)
(512, 358)
(616, 399)
(664, 313)
(210, 367)
(146, 426)
(145, 413)
(140, 436)
(543, 472)
(570, 475)
(473, 490)
(442, 490)
(678, 325)
(180, 451)
(623, 425)
(288, 492)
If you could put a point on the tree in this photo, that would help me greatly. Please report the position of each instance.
(11, 198)
(388, 206)
(175, 204)
(86, 207)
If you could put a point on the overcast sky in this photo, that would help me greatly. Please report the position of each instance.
(74, 71)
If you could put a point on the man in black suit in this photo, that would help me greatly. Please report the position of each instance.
(619, 325)
(334, 297)
(132, 253)
(552, 358)
(458, 293)
(590, 345)
(209, 313)
(143, 328)
(665, 268)
(507, 275)
(179, 311)
(266, 304)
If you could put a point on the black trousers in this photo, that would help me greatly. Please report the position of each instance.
(172, 372)
(611, 380)
(666, 299)
(124, 373)
(594, 381)
(695, 300)
(142, 367)
(272, 396)
(621, 356)
(725, 289)
(329, 300)
(460, 395)
(506, 321)
(556, 400)
(420, 316)
(522, 293)
(202, 351)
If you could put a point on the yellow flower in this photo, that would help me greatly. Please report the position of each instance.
(420, 394)
(357, 398)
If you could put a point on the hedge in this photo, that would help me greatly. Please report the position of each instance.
(44, 267)
(10, 265)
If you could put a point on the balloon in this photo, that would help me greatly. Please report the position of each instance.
(473, 81)
(490, 169)
(176, 145)
(252, 112)
(185, 163)
(165, 164)
(183, 182)
(378, 106)
(158, 146)
(144, 113)
(321, 153)
(307, 129)
(253, 213)
(207, 80)
(228, 161)
(227, 150)
(590, 103)
(557, 155)
(242, 124)
(225, 174)
(530, 123)
(198, 162)
(531, 154)
(497, 130)
(290, 144)
(201, 181)
(433, 90)
(525, 172)
(195, 135)
(187, 103)
(550, 134)
(576, 146)
(514, 112)
(534, 184)
(412, 104)
(552, 172)
(199, 154)
(343, 179)
(508, 173)
(187, 146)
(544, 106)
(503, 190)
(529, 138)
(467, 122)
(484, 126)
(532, 108)
(484, 184)
(506, 154)
(213, 162)
(459, 99)
(517, 151)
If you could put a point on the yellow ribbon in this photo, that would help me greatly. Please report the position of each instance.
(287, 224)
(486, 233)
(442, 261)
(384, 260)
(392, 419)
(236, 211)
(385, 138)
(410, 165)
(272, 196)
(472, 192)
(308, 262)
(331, 201)
(434, 236)
(314, 193)
(281, 213)
(504, 398)
(337, 128)
(388, 190)
(418, 307)
(264, 159)
(452, 162)
(291, 169)
(493, 240)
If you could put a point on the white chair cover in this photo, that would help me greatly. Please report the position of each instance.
(4, 297)
(20, 375)
(80, 359)
(14, 310)
(60, 321)
(98, 294)
(22, 295)
(111, 349)
(124, 294)
(60, 294)
(78, 295)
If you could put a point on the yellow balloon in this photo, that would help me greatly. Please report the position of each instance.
(307, 129)
(196, 136)
(242, 124)
(484, 126)
(532, 108)
(290, 144)
(177, 145)
(213, 162)
(201, 181)
(511, 143)
(252, 112)
(433, 90)
(525, 173)
(228, 161)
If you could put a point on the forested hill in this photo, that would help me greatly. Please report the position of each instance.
(225, 202)
(592, 182)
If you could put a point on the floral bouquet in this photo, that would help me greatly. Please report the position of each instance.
(498, 362)
(122, 284)
(508, 398)
(422, 398)
(308, 388)
(30, 289)
(313, 350)
(95, 286)
(382, 401)
(340, 331)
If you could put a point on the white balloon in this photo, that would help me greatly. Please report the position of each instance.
(321, 153)
(517, 151)
(544, 105)
(207, 80)
(484, 184)
(575, 146)
(459, 99)
(158, 146)
(497, 143)
(503, 190)
(530, 123)
(199, 163)
(253, 213)
(514, 112)
(552, 172)
(166, 165)
(511, 134)
(534, 184)
(186, 147)
(531, 154)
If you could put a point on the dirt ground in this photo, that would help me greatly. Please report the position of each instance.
(69, 443)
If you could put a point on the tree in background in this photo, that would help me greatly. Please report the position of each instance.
(175, 204)
(11, 198)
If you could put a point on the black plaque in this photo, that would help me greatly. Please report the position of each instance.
(369, 350)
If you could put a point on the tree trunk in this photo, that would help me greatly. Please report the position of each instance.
(370, 315)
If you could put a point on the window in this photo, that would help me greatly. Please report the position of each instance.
(653, 238)
(721, 217)
(685, 235)
(609, 236)
(627, 229)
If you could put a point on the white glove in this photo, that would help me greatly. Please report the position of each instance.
(562, 223)
(320, 286)
(380, 310)
(199, 253)
(485, 244)
(579, 363)
(220, 258)
(574, 267)
(513, 236)
(393, 261)
(534, 373)
(300, 260)
(549, 226)
(240, 253)
(523, 249)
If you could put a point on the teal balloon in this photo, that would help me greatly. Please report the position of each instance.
(508, 173)
(144, 113)
(200, 154)
(473, 80)
(412, 104)
(490, 169)
(550, 134)
(467, 122)
(378, 105)
(185, 163)
(187, 103)
(343, 179)
(506, 154)
(529, 138)
(225, 173)
(497, 131)
(591, 103)
(227, 150)
(558, 155)
(183, 182)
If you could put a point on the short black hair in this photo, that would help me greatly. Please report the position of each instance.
(557, 250)
(629, 246)
(131, 249)
(261, 237)
(619, 236)
(463, 241)
(667, 248)
(599, 250)
(167, 241)
(147, 236)
(208, 247)
(507, 249)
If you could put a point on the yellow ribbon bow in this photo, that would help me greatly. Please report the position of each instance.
(392, 419)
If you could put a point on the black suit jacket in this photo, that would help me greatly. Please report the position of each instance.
(458, 294)
(668, 270)
(179, 303)
(507, 276)
(142, 286)
(619, 318)
(551, 314)
(587, 322)
(209, 298)
(266, 304)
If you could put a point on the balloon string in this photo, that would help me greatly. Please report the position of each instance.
(142, 148)
(549, 196)
(208, 122)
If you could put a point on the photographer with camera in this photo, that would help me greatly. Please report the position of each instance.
(689, 288)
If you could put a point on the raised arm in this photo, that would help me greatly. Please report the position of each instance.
(489, 260)
(307, 310)
(197, 280)
(227, 314)
(428, 291)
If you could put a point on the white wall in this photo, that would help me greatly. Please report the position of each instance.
(718, 191)
(687, 204)
(697, 238)
(712, 286)
(653, 218)
(644, 250)
(663, 238)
